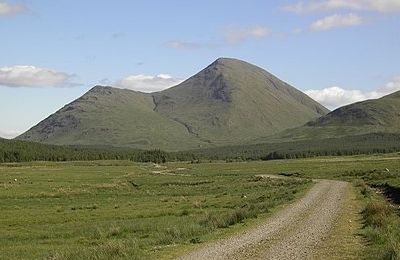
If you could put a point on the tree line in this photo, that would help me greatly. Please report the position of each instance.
(350, 145)
(22, 151)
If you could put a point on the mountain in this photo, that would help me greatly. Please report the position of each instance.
(232, 101)
(371, 116)
(229, 102)
(107, 116)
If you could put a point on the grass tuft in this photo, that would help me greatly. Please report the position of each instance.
(382, 230)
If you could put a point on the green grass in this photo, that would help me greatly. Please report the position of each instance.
(121, 209)
(118, 209)
(381, 225)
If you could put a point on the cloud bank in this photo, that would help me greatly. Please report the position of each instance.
(12, 9)
(31, 76)
(336, 20)
(9, 134)
(146, 83)
(233, 35)
(188, 45)
(237, 35)
(335, 97)
(383, 6)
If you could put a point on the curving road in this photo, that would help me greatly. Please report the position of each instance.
(292, 233)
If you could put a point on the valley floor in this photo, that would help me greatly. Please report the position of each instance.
(126, 210)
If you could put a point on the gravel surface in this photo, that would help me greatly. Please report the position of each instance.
(292, 233)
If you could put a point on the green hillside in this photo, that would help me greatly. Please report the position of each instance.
(371, 126)
(383, 112)
(111, 117)
(371, 116)
(230, 102)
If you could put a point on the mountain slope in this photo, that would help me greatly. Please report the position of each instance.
(232, 101)
(229, 102)
(371, 116)
(108, 116)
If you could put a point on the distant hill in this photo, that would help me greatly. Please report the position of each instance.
(371, 116)
(229, 102)
(107, 116)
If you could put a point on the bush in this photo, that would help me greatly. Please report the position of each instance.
(155, 156)
(377, 213)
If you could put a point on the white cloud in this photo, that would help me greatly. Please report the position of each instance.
(9, 134)
(11, 9)
(231, 36)
(334, 97)
(337, 20)
(236, 35)
(392, 86)
(31, 76)
(188, 45)
(145, 83)
(356, 5)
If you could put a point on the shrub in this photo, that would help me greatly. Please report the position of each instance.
(377, 213)
(363, 187)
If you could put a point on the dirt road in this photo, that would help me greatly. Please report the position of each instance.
(292, 233)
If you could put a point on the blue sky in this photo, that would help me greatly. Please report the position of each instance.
(52, 52)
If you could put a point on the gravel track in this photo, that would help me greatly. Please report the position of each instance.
(292, 233)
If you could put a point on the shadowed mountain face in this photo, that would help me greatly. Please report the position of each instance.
(229, 102)
(371, 116)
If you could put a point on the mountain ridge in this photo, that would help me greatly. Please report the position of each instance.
(228, 102)
(381, 115)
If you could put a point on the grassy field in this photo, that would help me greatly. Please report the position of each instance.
(121, 209)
